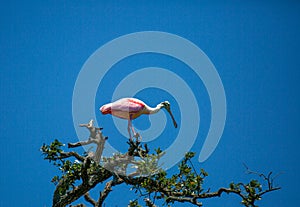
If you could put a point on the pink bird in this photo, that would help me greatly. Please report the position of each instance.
(132, 108)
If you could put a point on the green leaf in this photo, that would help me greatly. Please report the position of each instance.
(203, 172)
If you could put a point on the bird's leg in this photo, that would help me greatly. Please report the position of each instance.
(136, 134)
(129, 128)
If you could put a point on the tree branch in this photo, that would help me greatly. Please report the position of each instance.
(184, 200)
(184, 187)
(95, 137)
(89, 181)
(78, 191)
(64, 155)
(89, 199)
(107, 189)
(149, 203)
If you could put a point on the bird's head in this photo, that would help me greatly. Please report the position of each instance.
(167, 106)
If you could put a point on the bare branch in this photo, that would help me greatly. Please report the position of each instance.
(81, 143)
(90, 126)
(268, 178)
(107, 189)
(184, 200)
(64, 155)
(269, 190)
(96, 137)
(89, 199)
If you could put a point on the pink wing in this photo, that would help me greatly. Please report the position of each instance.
(127, 108)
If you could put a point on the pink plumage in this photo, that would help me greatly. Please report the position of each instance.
(132, 108)
(125, 108)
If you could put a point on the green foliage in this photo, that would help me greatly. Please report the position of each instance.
(51, 152)
(152, 183)
(70, 170)
(134, 204)
(148, 164)
(250, 191)
(185, 183)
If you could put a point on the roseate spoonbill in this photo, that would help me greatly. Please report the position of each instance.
(132, 108)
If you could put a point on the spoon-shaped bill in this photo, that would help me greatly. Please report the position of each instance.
(173, 119)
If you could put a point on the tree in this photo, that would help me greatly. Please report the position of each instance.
(81, 173)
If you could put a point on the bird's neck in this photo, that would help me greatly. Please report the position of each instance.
(155, 109)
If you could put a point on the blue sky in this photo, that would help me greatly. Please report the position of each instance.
(253, 45)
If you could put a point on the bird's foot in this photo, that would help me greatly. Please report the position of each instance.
(138, 137)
